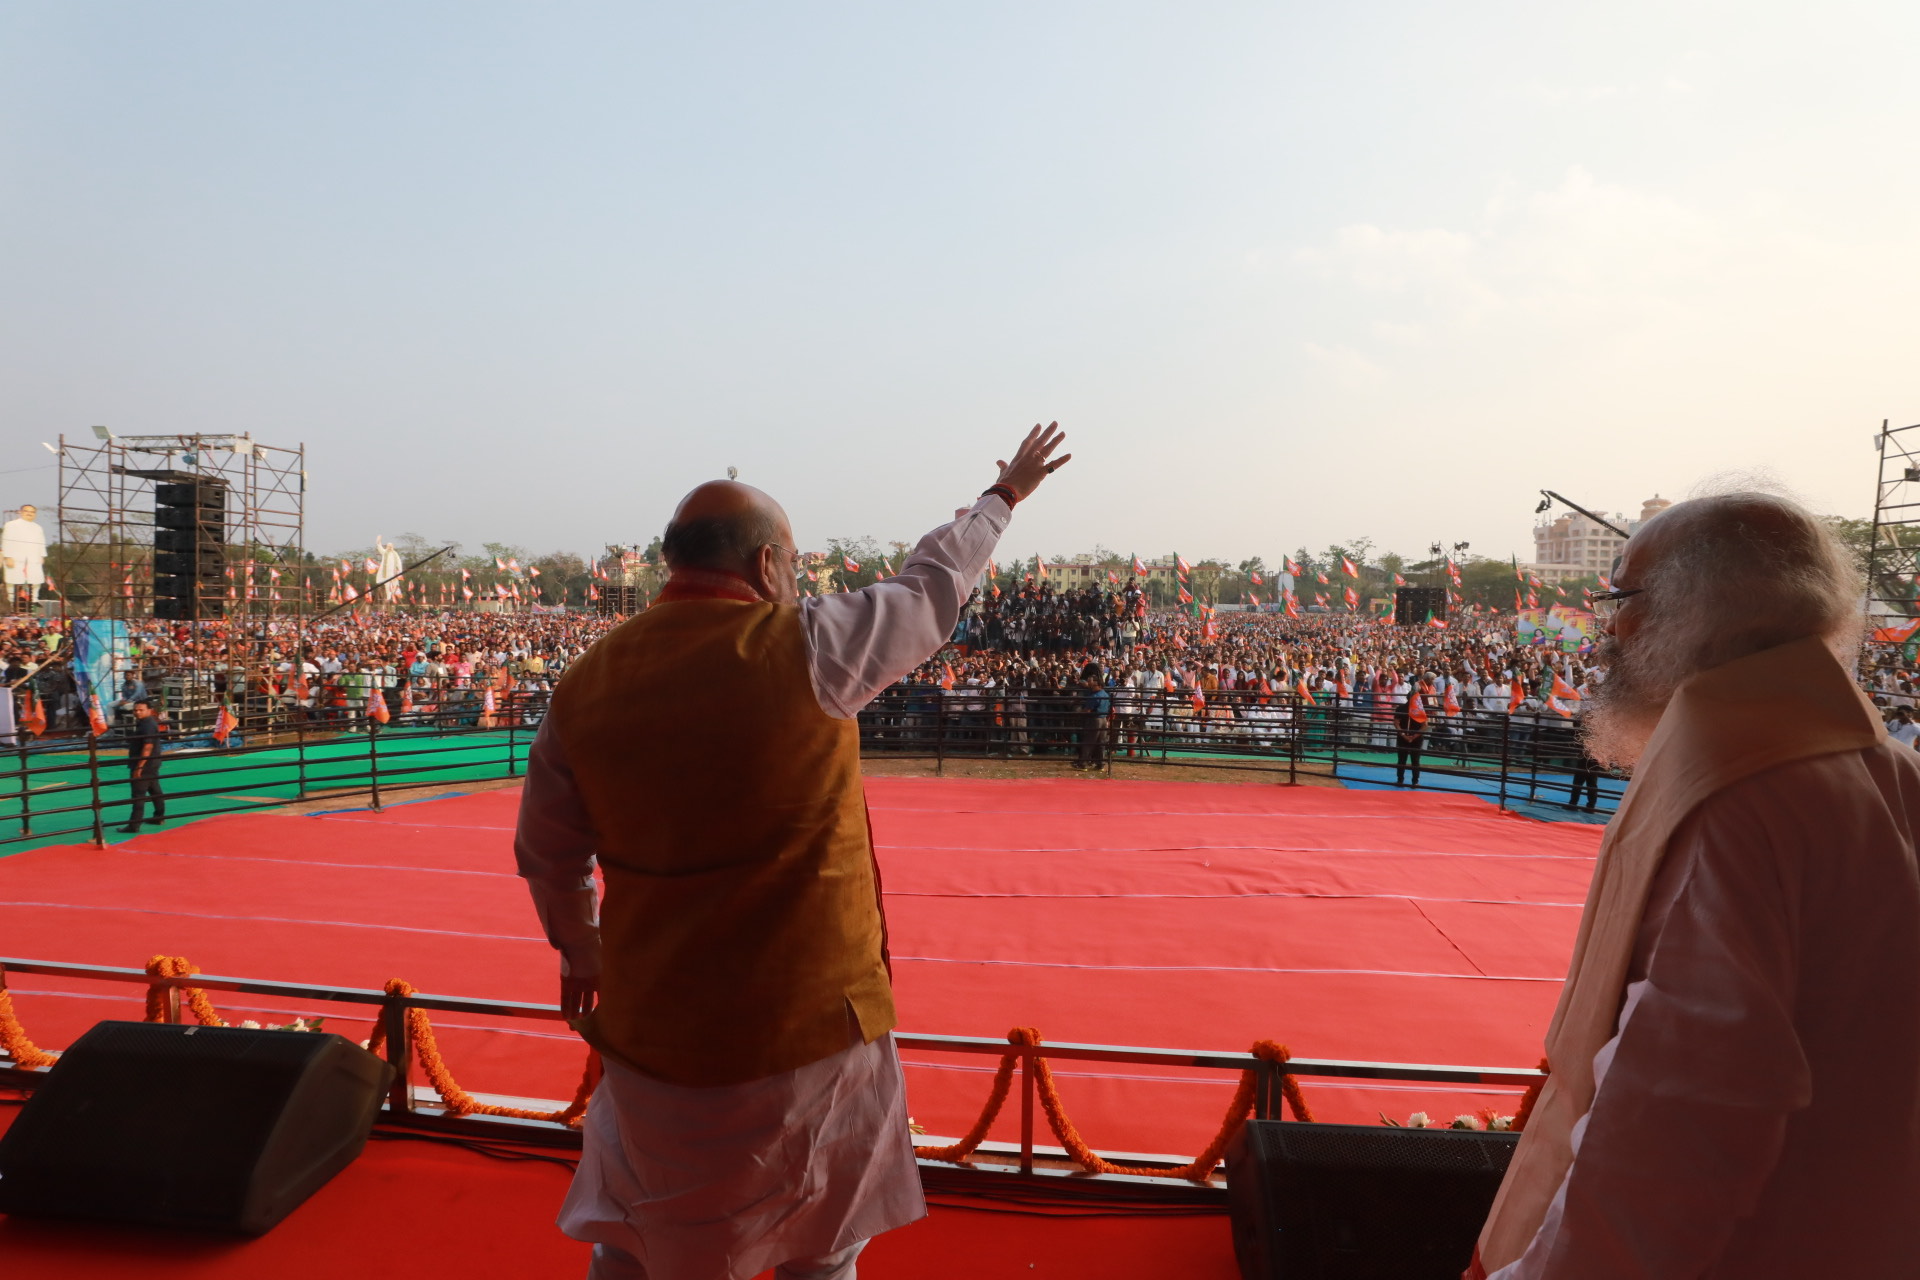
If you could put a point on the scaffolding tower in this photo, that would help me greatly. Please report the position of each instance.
(103, 565)
(1893, 562)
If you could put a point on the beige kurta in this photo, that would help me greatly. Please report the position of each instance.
(1746, 987)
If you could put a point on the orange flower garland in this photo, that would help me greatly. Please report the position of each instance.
(1199, 1169)
(177, 967)
(958, 1152)
(458, 1101)
(13, 1037)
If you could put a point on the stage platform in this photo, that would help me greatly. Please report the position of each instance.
(1377, 925)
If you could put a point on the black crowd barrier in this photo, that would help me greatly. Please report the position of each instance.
(73, 785)
(1513, 758)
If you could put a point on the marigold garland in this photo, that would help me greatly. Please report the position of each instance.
(1199, 1169)
(177, 967)
(1532, 1096)
(458, 1101)
(13, 1037)
(957, 1152)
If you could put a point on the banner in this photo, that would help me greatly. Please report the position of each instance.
(1566, 627)
(100, 651)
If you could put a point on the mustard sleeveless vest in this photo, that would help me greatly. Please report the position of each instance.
(741, 922)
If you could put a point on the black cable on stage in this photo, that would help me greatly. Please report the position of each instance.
(482, 1146)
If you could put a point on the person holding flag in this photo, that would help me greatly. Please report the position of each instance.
(1410, 726)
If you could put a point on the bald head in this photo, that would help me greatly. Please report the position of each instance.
(722, 525)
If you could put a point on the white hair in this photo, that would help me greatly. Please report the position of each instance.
(1724, 575)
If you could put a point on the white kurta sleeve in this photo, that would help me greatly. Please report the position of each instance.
(1688, 1122)
(862, 641)
(553, 847)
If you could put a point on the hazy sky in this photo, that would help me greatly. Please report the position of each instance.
(1286, 273)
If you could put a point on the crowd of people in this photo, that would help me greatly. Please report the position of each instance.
(460, 668)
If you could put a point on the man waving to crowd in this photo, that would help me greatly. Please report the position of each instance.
(735, 976)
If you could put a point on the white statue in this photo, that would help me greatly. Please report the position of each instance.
(23, 547)
(390, 566)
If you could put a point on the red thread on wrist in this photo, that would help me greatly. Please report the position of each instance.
(1006, 494)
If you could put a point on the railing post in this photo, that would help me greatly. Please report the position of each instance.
(373, 760)
(513, 766)
(1026, 1108)
(399, 1047)
(300, 755)
(1506, 745)
(1334, 736)
(26, 795)
(1293, 741)
(939, 732)
(93, 782)
(171, 1004)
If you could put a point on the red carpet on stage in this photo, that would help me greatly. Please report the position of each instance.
(1345, 924)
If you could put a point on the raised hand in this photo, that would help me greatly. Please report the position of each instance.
(1030, 465)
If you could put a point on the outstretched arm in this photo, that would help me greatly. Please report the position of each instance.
(863, 641)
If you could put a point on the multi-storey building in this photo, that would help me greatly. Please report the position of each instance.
(1573, 546)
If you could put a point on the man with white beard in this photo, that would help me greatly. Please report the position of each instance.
(1735, 1086)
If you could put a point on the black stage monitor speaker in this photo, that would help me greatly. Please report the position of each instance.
(1413, 605)
(217, 1128)
(1360, 1202)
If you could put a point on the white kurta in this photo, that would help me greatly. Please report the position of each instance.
(699, 1183)
(1758, 1114)
(23, 547)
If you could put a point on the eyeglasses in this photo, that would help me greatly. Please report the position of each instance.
(1605, 604)
(792, 555)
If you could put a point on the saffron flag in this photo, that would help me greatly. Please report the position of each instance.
(1184, 597)
(1351, 599)
(224, 724)
(849, 564)
(1346, 567)
(1255, 579)
(1321, 578)
(1452, 706)
(406, 697)
(96, 718)
(1139, 568)
(1416, 706)
(486, 702)
(1517, 695)
(377, 705)
(33, 715)
(1293, 607)
(1341, 687)
(946, 675)
(1180, 563)
(1399, 581)
(1293, 566)
(1561, 689)
(1306, 694)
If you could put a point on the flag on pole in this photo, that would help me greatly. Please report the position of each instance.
(1293, 567)
(1346, 567)
(96, 718)
(1255, 579)
(377, 705)
(1351, 599)
(1399, 581)
(1306, 694)
(224, 724)
(849, 564)
(1416, 706)
(1517, 694)
(1561, 689)
(33, 715)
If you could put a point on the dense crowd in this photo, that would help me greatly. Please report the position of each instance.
(1042, 641)
(467, 668)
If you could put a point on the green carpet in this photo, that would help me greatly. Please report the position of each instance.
(59, 795)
